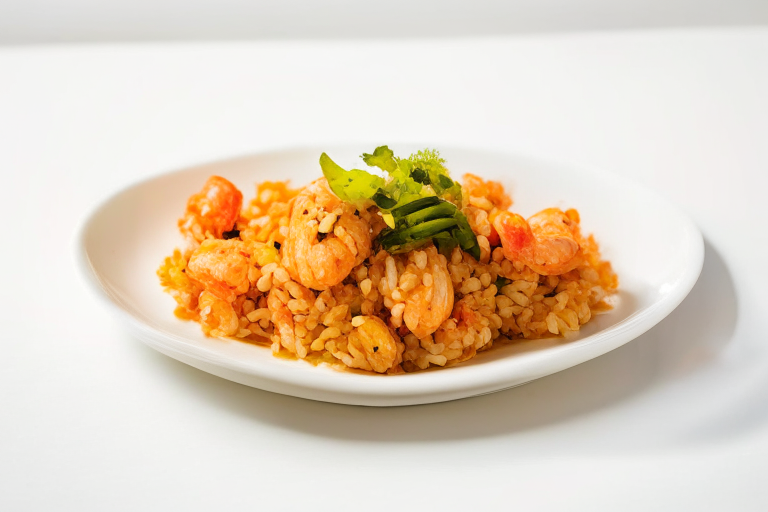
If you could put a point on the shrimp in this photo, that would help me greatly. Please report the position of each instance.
(373, 346)
(213, 211)
(217, 316)
(326, 239)
(221, 266)
(430, 303)
(549, 242)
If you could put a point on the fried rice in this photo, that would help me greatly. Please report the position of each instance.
(241, 277)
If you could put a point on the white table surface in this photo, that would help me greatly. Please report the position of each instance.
(675, 420)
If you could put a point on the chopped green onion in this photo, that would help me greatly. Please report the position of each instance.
(445, 181)
(418, 202)
(403, 240)
(501, 282)
(416, 205)
(442, 210)
(466, 237)
(445, 243)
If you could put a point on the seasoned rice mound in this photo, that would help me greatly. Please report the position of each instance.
(391, 313)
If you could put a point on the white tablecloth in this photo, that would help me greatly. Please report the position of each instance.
(676, 420)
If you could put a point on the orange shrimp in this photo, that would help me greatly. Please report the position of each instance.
(373, 346)
(549, 242)
(427, 307)
(212, 211)
(221, 266)
(326, 240)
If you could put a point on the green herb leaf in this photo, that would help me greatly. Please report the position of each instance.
(354, 186)
(419, 201)
(382, 200)
(404, 189)
(427, 168)
(383, 158)
(421, 176)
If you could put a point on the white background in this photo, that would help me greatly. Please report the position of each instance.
(36, 21)
(90, 419)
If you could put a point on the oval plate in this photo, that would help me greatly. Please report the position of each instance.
(655, 249)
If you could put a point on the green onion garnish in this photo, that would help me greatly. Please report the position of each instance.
(419, 200)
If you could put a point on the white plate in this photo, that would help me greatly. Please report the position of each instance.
(655, 249)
